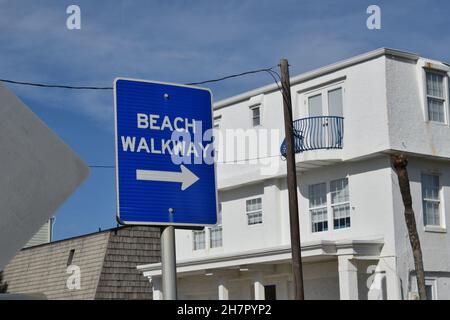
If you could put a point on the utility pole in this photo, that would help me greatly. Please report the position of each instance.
(292, 181)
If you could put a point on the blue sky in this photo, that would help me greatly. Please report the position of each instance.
(181, 41)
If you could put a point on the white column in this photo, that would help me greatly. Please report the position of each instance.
(157, 290)
(377, 288)
(348, 278)
(223, 290)
(258, 287)
(393, 288)
(282, 290)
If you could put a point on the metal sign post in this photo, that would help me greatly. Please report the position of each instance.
(168, 263)
(165, 168)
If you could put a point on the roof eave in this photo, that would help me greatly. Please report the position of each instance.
(319, 72)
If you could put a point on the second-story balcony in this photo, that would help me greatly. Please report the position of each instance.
(315, 133)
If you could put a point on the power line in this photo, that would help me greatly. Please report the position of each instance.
(59, 86)
(101, 167)
(231, 76)
(270, 71)
(218, 162)
(249, 159)
(63, 86)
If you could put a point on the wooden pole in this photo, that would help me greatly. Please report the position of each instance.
(400, 163)
(292, 182)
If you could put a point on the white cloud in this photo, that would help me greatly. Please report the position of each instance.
(180, 42)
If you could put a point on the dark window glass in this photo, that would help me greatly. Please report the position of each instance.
(70, 259)
(270, 292)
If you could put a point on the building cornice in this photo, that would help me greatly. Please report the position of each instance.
(321, 248)
(319, 72)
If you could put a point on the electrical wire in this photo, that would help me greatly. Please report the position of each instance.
(270, 71)
(248, 159)
(62, 86)
(59, 86)
(218, 162)
(231, 76)
(101, 167)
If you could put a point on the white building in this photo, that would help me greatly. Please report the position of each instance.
(354, 239)
(44, 235)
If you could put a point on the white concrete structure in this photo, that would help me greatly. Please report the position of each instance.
(44, 235)
(354, 239)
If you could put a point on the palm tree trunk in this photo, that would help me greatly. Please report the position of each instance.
(400, 163)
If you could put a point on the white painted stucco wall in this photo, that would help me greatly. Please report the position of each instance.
(409, 128)
(321, 282)
(370, 200)
(366, 132)
(384, 111)
(435, 245)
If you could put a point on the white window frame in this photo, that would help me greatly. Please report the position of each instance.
(339, 204)
(252, 108)
(216, 122)
(444, 73)
(428, 227)
(322, 90)
(433, 283)
(444, 98)
(218, 229)
(248, 213)
(329, 206)
(314, 209)
(194, 246)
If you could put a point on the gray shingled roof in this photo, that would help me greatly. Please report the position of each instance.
(127, 249)
(107, 262)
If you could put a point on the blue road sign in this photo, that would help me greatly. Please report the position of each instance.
(165, 170)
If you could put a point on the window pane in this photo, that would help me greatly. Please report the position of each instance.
(217, 123)
(319, 220)
(315, 105)
(254, 217)
(335, 102)
(216, 236)
(256, 116)
(254, 204)
(429, 291)
(219, 215)
(436, 110)
(339, 191)
(435, 93)
(317, 195)
(431, 213)
(431, 200)
(199, 240)
(341, 216)
(254, 211)
(430, 186)
(435, 85)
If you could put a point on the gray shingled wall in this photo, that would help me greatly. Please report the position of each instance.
(128, 248)
(44, 268)
(107, 262)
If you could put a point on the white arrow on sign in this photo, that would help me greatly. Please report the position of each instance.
(186, 176)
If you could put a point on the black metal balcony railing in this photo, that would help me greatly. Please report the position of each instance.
(317, 133)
